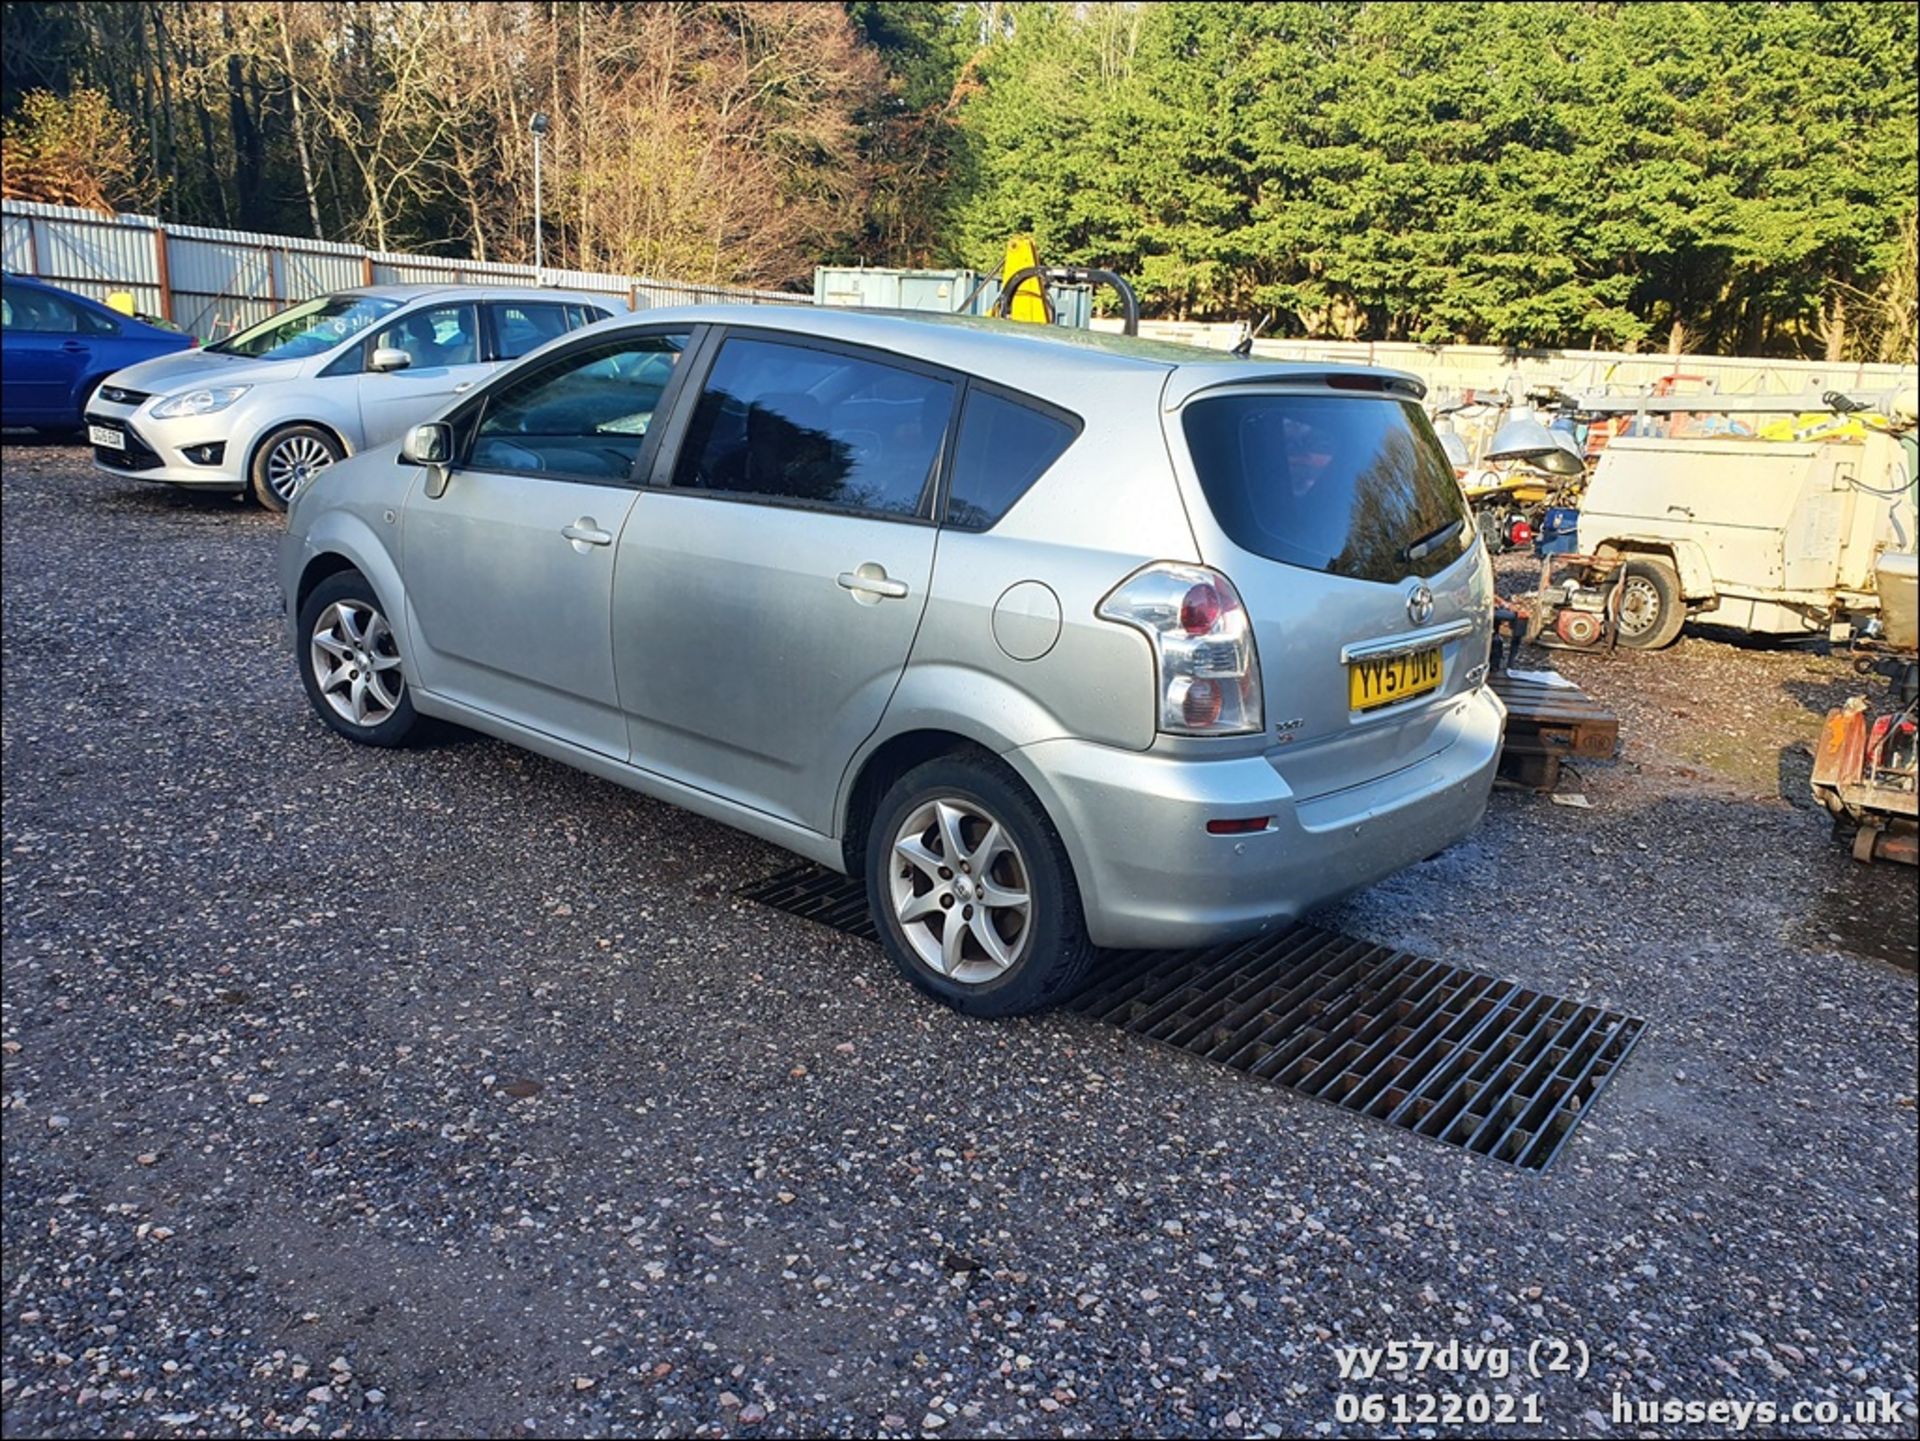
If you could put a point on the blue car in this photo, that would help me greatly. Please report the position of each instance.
(58, 346)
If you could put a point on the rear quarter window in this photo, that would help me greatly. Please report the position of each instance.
(1351, 485)
(1004, 446)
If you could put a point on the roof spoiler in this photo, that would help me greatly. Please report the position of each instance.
(1396, 383)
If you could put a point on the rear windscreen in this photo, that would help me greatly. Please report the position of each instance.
(1351, 485)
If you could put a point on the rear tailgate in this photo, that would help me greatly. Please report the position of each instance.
(1327, 501)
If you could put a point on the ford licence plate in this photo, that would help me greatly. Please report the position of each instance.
(1374, 683)
(106, 435)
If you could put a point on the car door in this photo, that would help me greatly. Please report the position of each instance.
(769, 583)
(509, 570)
(446, 359)
(49, 346)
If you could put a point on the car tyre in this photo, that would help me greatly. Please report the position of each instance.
(287, 459)
(972, 891)
(350, 663)
(1651, 608)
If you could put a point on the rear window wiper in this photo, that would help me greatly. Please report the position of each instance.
(1432, 541)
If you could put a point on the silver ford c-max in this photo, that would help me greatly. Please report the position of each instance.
(266, 408)
(1061, 641)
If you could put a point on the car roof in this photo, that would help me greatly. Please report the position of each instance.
(961, 341)
(1042, 358)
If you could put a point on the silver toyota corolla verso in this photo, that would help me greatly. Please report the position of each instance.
(1062, 641)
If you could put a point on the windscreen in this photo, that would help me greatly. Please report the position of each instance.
(307, 329)
(1353, 485)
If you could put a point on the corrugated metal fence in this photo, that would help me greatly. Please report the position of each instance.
(215, 282)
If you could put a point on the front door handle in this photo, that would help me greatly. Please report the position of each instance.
(585, 532)
(870, 583)
(463, 385)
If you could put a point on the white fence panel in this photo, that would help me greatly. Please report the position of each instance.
(414, 270)
(307, 273)
(94, 255)
(17, 253)
(219, 288)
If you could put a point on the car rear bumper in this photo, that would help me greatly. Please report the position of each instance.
(1151, 875)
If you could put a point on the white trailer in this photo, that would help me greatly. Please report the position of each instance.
(1776, 537)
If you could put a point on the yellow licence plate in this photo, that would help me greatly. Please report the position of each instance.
(1374, 683)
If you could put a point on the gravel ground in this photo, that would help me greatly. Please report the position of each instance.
(451, 1092)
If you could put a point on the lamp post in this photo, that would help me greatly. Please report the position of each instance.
(540, 125)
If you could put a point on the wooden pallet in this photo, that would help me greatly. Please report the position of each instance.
(1547, 724)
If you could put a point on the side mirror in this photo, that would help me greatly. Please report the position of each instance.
(431, 445)
(387, 358)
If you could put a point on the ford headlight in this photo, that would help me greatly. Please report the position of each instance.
(199, 402)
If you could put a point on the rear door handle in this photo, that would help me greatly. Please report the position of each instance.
(586, 531)
(463, 385)
(872, 579)
(75, 346)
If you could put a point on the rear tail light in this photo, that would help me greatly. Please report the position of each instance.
(1877, 739)
(1208, 674)
(1200, 609)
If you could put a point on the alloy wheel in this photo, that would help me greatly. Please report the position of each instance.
(293, 461)
(356, 662)
(961, 891)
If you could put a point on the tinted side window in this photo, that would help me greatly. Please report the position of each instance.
(1003, 448)
(96, 323)
(582, 415)
(816, 427)
(519, 326)
(37, 310)
(17, 308)
(434, 335)
(351, 361)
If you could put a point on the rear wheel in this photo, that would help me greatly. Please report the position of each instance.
(1651, 609)
(287, 459)
(972, 892)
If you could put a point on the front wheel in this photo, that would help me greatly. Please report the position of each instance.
(350, 663)
(287, 460)
(1651, 609)
(972, 891)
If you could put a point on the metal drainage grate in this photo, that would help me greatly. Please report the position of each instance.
(1445, 1052)
(816, 894)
